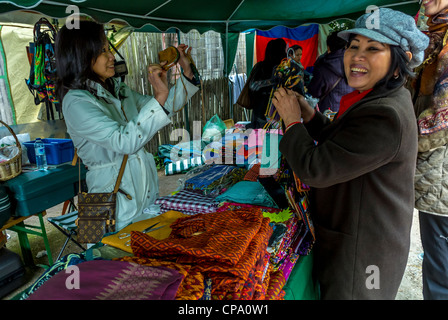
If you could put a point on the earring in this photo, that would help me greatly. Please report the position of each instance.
(396, 76)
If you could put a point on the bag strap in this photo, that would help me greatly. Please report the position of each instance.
(331, 89)
(120, 173)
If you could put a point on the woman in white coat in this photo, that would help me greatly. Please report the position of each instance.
(107, 120)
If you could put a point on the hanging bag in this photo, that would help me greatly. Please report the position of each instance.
(96, 211)
(244, 97)
(42, 77)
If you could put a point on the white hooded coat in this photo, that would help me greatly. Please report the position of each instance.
(102, 136)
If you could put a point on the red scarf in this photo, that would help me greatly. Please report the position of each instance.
(350, 99)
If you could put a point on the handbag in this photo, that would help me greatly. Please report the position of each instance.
(96, 211)
(244, 97)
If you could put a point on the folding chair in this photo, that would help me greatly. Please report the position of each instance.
(66, 224)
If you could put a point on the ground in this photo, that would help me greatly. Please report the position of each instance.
(410, 289)
(411, 285)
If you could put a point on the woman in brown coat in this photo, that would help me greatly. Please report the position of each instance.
(362, 197)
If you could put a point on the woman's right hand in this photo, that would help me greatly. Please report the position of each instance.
(158, 79)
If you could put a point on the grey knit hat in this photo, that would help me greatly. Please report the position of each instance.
(394, 28)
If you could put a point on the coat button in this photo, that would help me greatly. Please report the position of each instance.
(138, 123)
(152, 111)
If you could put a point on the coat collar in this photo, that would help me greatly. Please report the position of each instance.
(376, 93)
(101, 91)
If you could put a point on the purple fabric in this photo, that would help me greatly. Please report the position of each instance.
(111, 280)
(327, 70)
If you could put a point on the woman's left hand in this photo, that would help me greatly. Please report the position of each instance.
(287, 105)
(184, 61)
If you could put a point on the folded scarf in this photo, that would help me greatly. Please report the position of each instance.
(224, 246)
(187, 202)
(248, 192)
(113, 280)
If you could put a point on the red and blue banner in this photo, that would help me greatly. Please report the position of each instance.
(305, 36)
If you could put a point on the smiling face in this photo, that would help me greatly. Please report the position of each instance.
(433, 7)
(366, 62)
(103, 66)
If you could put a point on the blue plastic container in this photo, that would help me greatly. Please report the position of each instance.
(57, 150)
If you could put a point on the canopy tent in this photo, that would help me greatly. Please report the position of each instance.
(223, 16)
(228, 17)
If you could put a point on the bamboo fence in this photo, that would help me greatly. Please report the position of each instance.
(141, 49)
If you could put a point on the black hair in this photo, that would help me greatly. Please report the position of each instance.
(275, 52)
(399, 61)
(295, 47)
(334, 42)
(75, 50)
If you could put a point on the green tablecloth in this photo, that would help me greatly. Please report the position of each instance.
(301, 285)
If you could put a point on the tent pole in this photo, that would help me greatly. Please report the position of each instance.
(226, 61)
(226, 58)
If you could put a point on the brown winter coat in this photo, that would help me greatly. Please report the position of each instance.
(362, 198)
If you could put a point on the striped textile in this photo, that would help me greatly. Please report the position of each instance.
(182, 166)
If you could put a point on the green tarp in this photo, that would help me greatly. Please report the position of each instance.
(228, 17)
(224, 16)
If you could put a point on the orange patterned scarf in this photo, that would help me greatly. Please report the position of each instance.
(438, 26)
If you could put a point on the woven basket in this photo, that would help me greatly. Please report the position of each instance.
(13, 167)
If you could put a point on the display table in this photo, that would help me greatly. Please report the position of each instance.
(32, 193)
(35, 191)
(18, 225)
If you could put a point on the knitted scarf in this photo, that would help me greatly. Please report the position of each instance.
(434, 77)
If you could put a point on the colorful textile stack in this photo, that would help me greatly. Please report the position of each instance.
(215, 180)
(253, 173)
(226, 206)
(248, 192)
(224, 151)
(284, 249)
(229, 247)
(298, 200)
(187, 202)
(284, 257)
(250, 149)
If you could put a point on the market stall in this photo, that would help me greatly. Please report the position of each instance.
(225, 234)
